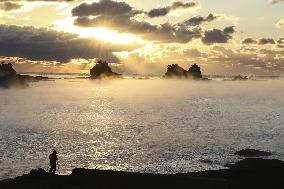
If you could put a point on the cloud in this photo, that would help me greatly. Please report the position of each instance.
(165, 32)
(194, 53)
(229, 30)
(198, 20)
(212, 59)
(249, 41)
(261, 41)
(276, 1)
(33, 0)
(280, 42)
(41, 44)
(9, 6)
(121, 17)
(171, 7)
(104, 7)
(218, 36)
(266, 41)
(280, 24)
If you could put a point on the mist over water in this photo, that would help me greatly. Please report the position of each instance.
(138, 125)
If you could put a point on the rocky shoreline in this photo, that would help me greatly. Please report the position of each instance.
(249, 173)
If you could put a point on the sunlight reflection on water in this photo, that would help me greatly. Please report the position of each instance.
(147, 126)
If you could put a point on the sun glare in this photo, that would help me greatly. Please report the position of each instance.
(102, 34)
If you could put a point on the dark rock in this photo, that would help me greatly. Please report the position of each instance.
(252, 153)
(10, 78)
(240, 78)
(6, 70)
(194, 72)
(174, 70)
(257, 163)
(38, 172)
(102, 70)
(249, 173)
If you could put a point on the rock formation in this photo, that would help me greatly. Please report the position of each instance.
(194, 72)
(252, 153)
(102, 70)
(9, 77)
(240, 78)
(249, 173)
(7, 70)
(174, 70)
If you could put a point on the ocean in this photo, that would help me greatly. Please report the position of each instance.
(144, 125)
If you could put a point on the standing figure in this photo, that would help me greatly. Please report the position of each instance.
(52, 159)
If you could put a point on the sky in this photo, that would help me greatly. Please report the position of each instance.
(143, 37)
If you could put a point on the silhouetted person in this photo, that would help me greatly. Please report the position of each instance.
(52, 159)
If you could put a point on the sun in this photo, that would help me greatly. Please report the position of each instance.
(102, 34)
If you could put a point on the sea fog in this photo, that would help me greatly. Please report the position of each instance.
(155, 125)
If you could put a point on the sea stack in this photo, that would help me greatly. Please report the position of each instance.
(102, 70)
(7, 70)
(174, 70)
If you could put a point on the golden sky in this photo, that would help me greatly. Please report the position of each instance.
(223, 37)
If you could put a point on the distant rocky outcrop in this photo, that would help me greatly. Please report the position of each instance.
(102, 70)
(7, 70)
(10, 78)
(175, 71)
(252, 153)
(240, 78)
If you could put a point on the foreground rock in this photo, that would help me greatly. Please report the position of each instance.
(102, 70)
(252, 153)
(246, 174)
(10, 78)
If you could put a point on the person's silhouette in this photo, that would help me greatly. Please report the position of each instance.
(52, 159)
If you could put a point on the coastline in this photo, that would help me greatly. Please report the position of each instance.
(248, 173)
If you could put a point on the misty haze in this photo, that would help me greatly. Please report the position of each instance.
(141, 94)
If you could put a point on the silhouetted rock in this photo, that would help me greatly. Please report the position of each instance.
(102, 70)
(252, 173)
(10, 78)
(174, 70)
(6, 70)
(252, 153)
(240, 78)
(194, 72)
(38, 172)
(257, 163)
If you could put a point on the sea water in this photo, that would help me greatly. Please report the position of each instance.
(154, 125)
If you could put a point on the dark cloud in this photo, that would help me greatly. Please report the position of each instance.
(249, 41)
(121, 17)
(280, 42)
(197, 20)
(276, 1)
(229, 30)
(265, 41)
(218, 36)
(104, 7)
(166, 32)
(33, 0)
(261, 41)
(49, 45)
(8, 6)
(167, 9)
